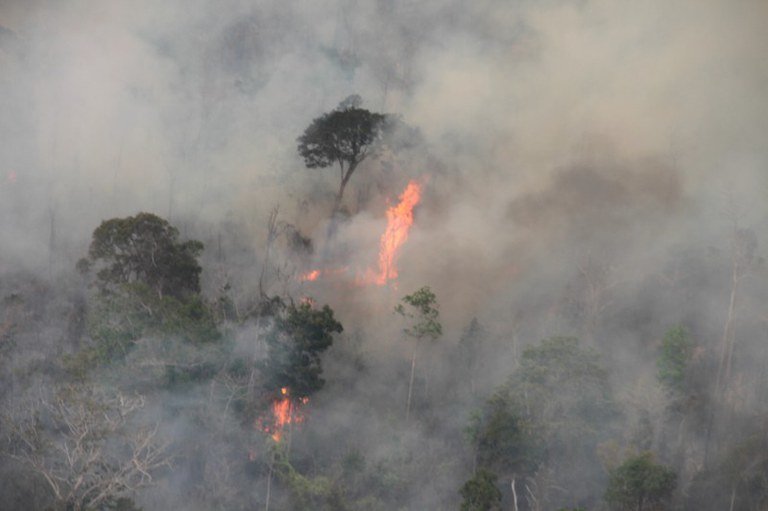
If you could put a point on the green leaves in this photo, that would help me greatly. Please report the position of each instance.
(423, 311)
(343, 135)
(639, 481)
(672, 364)
(298, 337)
(144, 248)
(480, 493)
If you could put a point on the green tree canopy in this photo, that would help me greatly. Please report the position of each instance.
(480, 492)
(344, 136)
(550, 415)
(505, 441)
(298, 337)
(672, 364)
(145, 249)
(638, 483)
(423, 311)
(564, 388)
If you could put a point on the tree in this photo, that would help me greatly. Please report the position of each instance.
(470, 351)
(297, 339)
(564, 389)
(144, 249)
(639, 482)
(504, 440)
(345, 136)
(423, 311)
(672, 364)
(547, 419)
(480, 492)
(87, 448)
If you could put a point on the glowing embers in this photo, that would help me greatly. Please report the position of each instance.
(313, 275)
(286, 411)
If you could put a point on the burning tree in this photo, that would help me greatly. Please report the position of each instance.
(293, 366)
(294, 345)
(345, 136)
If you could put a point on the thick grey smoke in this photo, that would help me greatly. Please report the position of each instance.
(567, 148)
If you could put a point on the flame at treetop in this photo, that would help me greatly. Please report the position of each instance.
(285, 411)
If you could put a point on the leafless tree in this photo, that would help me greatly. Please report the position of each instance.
(86, 447)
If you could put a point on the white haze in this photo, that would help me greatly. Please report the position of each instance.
(555, 134)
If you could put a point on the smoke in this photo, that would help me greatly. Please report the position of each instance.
(571, 153)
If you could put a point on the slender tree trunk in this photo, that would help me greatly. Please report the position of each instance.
(514, 495)
(344, 180)
(272, 233)
(733, 498)
(290, 431)
(726, 351)
(51, 242)
(269, 481)
(410, 383)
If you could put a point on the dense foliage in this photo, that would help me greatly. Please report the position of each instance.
(344, 136)
(145, 249)
(639, 483)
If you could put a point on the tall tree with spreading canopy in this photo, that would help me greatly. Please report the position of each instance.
(344, 136)
(149, 283)
(144, 249)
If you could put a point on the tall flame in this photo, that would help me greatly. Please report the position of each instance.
(399, 222)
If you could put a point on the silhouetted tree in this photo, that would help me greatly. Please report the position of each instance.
(344, 136)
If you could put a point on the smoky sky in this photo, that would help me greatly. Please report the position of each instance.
(599, 126)
(575, 158)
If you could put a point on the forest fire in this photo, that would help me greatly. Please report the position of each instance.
(399, 222)
(285, 412)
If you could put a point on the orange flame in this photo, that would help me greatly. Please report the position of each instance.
(399, 222)
(310, 276)
(285, 411)
(315, 274)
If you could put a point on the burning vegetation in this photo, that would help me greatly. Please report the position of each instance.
(399, 222)
(286, 411)
(524, 274)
